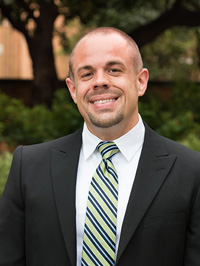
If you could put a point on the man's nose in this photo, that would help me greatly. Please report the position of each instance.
(101, 80)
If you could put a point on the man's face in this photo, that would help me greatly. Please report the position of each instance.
(105, 86)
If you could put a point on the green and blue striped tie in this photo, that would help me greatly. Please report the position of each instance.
(101, 214)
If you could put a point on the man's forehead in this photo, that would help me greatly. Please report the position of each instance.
(92, 58)
(108, 45)
(92, 41)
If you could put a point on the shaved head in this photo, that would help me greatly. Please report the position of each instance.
(134, 50)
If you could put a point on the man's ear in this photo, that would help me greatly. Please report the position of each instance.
(72, 89)
(143, 78)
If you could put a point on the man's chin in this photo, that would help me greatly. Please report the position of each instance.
(106, 122)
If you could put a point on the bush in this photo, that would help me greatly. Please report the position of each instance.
(11, 123)
(5, 163)
(192, 141)
(65, 115)
(177, 118)
(20, 124)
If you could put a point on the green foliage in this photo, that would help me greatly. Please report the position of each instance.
(10, 118)
(176, 118)
(20, 124)
(192, 141)
(179, 117)
(128, 14)
(66, 117)
(172, 54)
(5, 162)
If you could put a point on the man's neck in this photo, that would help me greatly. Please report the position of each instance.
(111, 133)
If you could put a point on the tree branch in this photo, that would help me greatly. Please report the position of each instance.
(178, 15)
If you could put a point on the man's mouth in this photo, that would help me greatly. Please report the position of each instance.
(104, 101)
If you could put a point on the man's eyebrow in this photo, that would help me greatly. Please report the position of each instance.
(112, 63)
(86, 67)
(108, 64)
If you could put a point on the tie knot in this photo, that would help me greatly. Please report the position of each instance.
(107, 149)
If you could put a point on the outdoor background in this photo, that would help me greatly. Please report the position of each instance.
(36, 38)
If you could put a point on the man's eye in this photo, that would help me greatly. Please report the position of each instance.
(114, 70)
(86, 75)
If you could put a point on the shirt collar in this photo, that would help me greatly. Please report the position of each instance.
(90, 142)
(128, 144)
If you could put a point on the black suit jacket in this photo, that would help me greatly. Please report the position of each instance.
(162, 221)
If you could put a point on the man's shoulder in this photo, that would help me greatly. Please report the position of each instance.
(171, 146)
(62, 144)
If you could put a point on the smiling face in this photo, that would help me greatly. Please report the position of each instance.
(106, 86)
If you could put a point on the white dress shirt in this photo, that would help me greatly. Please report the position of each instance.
(125, 162)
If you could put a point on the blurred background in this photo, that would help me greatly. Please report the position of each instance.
(36, 38)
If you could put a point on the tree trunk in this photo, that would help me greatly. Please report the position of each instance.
(45, 76)
(41, 50)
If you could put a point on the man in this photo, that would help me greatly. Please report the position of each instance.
(43, 217)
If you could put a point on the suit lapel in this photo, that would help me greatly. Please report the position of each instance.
(153, 167)
(64, 170)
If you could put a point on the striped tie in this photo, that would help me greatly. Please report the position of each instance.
(101, 213)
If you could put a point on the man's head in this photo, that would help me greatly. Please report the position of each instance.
(106, 79)
(134, 51)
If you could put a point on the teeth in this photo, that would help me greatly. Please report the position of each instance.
(104, 101)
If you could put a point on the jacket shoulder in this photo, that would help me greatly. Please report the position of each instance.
(62, 144)
(158, 144)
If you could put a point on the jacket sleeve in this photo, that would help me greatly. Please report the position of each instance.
(12, 217)
(192, 243)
